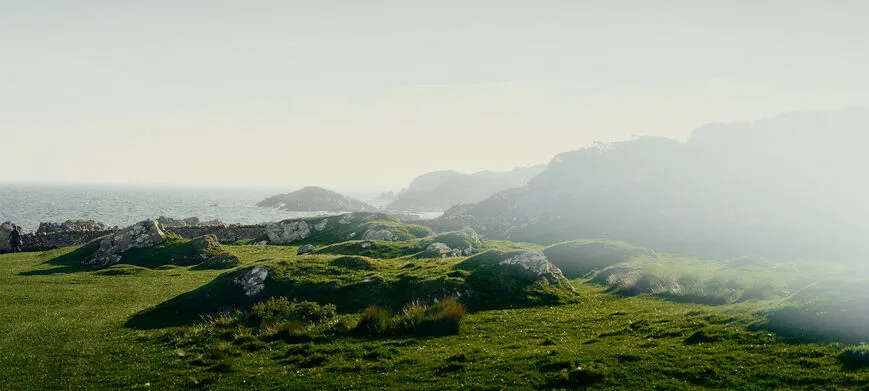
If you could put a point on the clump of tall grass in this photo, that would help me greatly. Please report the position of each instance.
(415, 319)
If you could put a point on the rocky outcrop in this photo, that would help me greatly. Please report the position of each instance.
(536, 262)
(379, 233)
(289, 231)
(305, 249)
(71, 226)
(143, 234)
(252, 280)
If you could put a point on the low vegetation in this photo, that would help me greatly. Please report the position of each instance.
(626, 319)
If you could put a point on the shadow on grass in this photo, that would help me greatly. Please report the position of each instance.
(216, 297)
(71, 262)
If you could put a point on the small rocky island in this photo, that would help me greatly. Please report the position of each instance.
(315, 199)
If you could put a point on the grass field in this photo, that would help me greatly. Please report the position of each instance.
(63, 327)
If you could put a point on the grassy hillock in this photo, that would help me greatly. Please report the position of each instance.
(327, 230)
(353, 283)
(414, 247)
(580, 257)
(204, 251)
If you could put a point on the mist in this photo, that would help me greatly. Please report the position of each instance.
(398, 195)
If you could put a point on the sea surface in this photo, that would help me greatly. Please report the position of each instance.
(29, 204)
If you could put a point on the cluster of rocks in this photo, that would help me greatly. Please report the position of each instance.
(143, 234)
(71, 226)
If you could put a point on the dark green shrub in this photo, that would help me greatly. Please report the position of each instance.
(855, 356)
(281, 309)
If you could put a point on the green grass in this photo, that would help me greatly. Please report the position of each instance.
(63, 327)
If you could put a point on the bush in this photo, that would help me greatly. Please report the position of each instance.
(855, 356)
(282, 310)
(442, 318)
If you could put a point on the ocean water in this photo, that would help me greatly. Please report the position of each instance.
(28, 205)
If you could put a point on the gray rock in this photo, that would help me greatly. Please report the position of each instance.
(536, 263)
(378, 233)
(288, 231)
(366, 244)
(305, 249)
(143, 234)
(252, 281)
(438, 248)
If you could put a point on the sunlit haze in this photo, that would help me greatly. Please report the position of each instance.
(372, 94)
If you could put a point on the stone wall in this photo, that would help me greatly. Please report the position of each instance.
(41, 241)
(224, 233)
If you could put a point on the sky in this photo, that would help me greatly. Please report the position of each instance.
(371, 94)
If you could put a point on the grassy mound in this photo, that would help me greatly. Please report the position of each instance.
(702, 281)
(829, 311)
(500, 285)
(353, 283)
(327, 230)
(580, 257)
(175, 251)
(398, 249)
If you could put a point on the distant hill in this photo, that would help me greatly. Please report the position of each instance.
(794, 185)
(437, 191)
(314, 199)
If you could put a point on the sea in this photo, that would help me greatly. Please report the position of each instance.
(121, 205)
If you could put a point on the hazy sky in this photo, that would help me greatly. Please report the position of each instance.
(373, 93)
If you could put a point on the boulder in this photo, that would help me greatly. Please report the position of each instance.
(438, 248)
(252, 280)
(288, 231)
(143, 234)
(536, 263)
(378, 233)
(305, 249)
